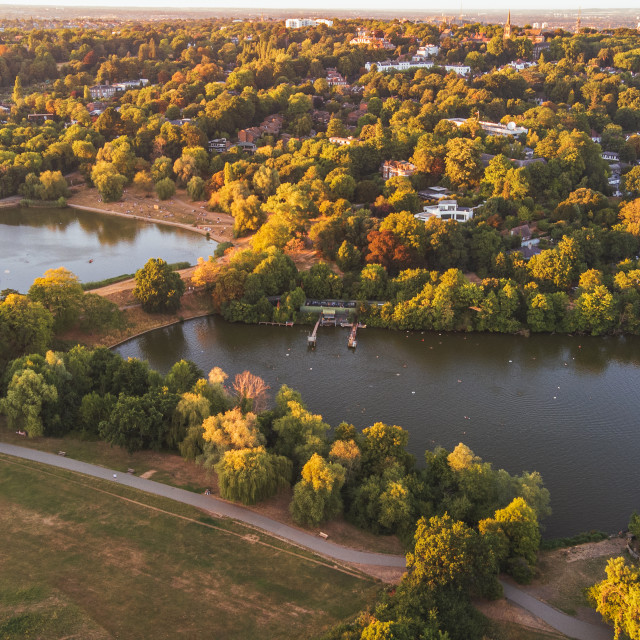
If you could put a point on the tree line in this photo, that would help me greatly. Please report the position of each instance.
(481, 519)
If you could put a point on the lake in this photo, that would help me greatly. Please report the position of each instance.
(34, 240)
(564, 406)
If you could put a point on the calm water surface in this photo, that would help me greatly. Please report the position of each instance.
(566, 407)
(34, 240)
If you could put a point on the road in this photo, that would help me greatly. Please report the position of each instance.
(565, 624)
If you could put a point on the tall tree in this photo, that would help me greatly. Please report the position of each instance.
(60, 292)
(252, 475)
(158, 287)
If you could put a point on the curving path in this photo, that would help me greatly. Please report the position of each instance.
(565, 624)
(213, 505)
(571, 627)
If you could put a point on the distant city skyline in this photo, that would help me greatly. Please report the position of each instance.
(326, 6)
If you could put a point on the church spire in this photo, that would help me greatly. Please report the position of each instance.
(507, 27)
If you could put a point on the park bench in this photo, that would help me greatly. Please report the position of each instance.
(131, 471)
(62, 453)
(324, 536)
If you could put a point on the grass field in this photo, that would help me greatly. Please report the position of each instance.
(81, 559)
(171, 469)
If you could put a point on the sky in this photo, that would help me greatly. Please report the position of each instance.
(325, 6)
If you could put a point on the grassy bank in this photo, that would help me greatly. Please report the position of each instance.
(172, 469)
(86, 561)
(98, 284)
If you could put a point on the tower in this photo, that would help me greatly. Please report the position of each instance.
(507, 27)
(579, 20)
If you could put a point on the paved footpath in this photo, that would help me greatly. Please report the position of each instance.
(565, 624)
(571, 627)
(213, 505)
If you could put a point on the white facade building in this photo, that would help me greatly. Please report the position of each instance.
(342, 141)
(494, 128)
(299, 23)
(405, 65)
(446, 210)
(426, 51)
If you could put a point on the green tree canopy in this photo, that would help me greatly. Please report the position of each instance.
(158, 287)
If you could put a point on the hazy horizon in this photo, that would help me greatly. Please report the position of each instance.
(414, 6)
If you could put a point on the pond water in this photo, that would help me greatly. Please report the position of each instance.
(564, 406)
(34, 240)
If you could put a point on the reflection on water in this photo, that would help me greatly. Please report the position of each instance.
(34, 240)
(564, 406)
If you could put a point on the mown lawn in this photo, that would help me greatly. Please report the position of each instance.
(78, 561)
(170, 468)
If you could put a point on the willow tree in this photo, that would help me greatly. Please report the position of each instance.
(26, 394)
(227, 431)
(316, 497)
(252, 475)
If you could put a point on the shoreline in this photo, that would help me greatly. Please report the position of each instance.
(181, 225)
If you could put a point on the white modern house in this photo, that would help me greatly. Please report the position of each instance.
(446, 210)
(342, 141)
(426, 51)
(610, 156)
(299, 23)
(405, 65)
(494, 128)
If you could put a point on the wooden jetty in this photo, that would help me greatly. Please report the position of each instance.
(311, 338)
(288, 323)
(353, 343)
(329, 320)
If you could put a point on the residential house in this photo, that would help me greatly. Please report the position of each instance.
(342, 141)
(354, 116)
(102, 91)
(610, 156)
(131, 84)
(446, 210)
(494, 128)
(320, 117)
(247, 147)
(40, 117)
(520, 64)
(299, 23)
(393, 168)
(335, 79)
(249, 135)
(434, 193)
(526, 239)
(218, 145)
(426, 51)
(405, 65)
(362, 38)
(271, 125)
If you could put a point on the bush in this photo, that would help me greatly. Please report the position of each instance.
(580, 538)
(221, 248)
(520, 570)
(196, 188)
(165, 189)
